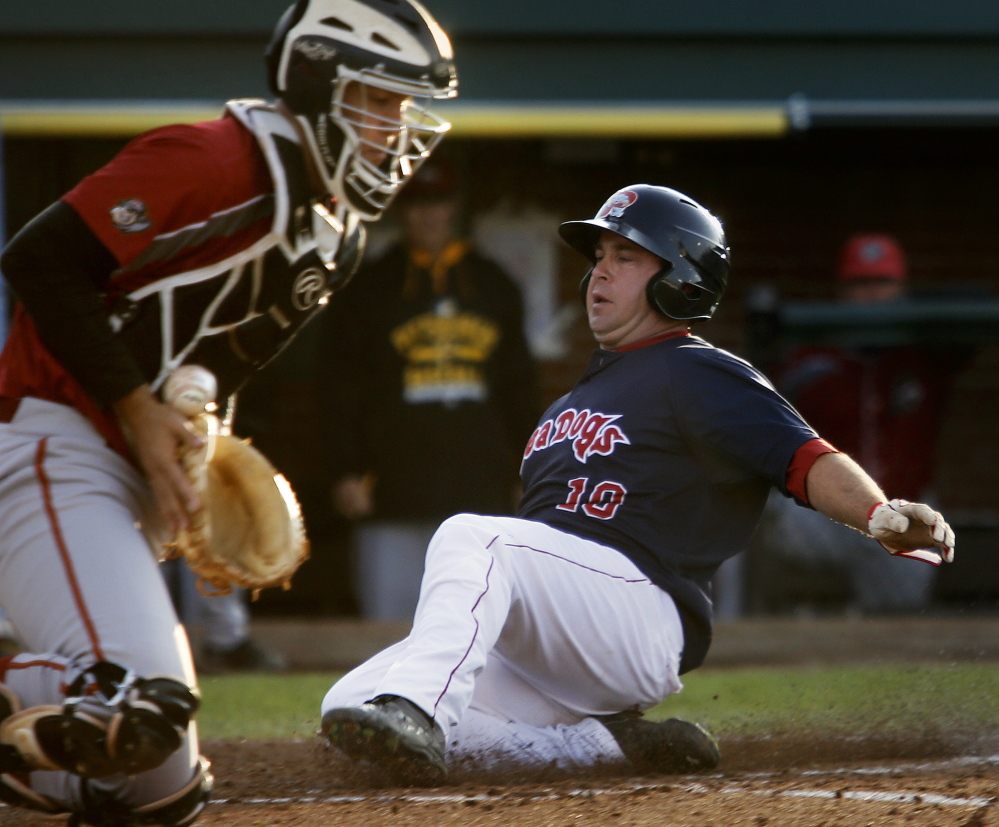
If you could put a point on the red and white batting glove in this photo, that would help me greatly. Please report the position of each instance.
(886, 520)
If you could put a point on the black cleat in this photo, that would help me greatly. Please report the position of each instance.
(392, 733)
(9, 702)
(15, 791)
(10, 756)
(673, 746)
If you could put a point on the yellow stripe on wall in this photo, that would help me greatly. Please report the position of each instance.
(96, 121)
(470, 121)
(533, 121)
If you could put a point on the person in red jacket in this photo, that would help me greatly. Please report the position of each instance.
(873, 403)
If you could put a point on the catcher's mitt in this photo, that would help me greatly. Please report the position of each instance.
(248, 531)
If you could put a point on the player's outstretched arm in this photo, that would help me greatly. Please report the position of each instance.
(842, 490)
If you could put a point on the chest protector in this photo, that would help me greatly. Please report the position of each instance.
(235, 315)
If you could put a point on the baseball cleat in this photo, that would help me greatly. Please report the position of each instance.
(673, 746)
(15, 791)
(10, 756)
(9, 702)
(392, 733)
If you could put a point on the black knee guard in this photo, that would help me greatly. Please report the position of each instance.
(151, 725)
(111, 722)
(100, 809)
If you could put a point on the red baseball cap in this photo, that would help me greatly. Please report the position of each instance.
(872, 256)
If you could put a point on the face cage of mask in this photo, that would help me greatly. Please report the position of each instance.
(412, 138)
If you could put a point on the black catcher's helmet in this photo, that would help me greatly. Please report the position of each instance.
(688, 238)
(321, 46)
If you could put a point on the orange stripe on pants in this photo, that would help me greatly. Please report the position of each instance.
(57, 535)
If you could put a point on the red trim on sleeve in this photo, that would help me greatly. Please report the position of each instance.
(802, 462)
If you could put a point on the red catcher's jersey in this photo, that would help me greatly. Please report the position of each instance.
(164, 183)
(884, 407)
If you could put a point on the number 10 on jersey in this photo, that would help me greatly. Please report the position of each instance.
(605, 498)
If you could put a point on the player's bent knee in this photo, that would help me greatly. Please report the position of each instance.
(177, 810)
(462, 532)
(111, 722)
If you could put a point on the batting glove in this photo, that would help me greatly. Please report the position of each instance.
(886, 520)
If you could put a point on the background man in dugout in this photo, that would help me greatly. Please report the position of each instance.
(539, 639)
(428, 392)
(875, 403)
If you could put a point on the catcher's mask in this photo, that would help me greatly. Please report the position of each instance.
(320, 48)
(689, 240)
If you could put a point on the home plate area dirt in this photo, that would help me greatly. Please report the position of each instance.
(795, 781)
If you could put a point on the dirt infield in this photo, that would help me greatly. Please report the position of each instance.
(782, 782)
(919, 793)
(794, 780)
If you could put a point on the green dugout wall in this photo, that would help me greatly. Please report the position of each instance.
(568, 67)
(799, 122)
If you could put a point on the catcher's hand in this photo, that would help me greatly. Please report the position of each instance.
(155, 432)
(912, 530)
(248, 529)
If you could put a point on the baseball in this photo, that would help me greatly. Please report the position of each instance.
(190, 389)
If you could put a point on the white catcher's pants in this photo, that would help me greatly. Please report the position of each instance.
(79, 581)
(521, 633)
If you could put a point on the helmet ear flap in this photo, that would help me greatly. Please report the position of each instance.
(657, 287)
(679, 297)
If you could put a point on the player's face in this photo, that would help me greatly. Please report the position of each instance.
(377, 114)
(618, 311)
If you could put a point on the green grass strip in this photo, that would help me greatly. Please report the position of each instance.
(259, 706)
(734, 703)
(855, 700)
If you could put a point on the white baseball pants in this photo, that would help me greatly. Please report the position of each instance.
(522, 633)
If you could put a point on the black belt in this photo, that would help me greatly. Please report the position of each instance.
(8, 407)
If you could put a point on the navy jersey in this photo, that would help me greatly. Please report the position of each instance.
(666, 453)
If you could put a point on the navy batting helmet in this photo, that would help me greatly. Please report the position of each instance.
(689, 239)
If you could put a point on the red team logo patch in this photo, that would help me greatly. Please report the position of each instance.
(130, 216)
(590, 432)
(617, 204)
